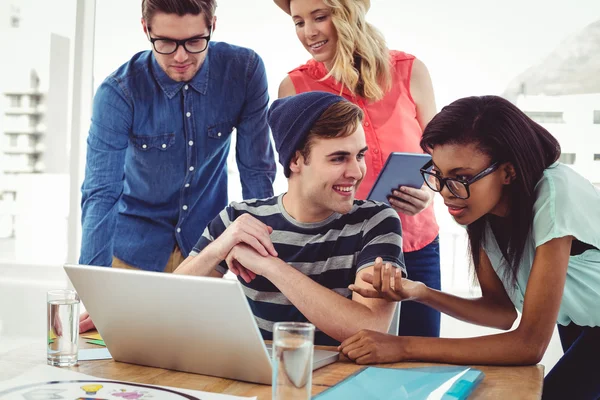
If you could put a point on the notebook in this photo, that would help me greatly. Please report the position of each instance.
(429, 383)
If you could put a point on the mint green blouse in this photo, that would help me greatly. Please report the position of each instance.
(566, 204)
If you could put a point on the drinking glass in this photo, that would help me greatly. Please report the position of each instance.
(63, 327)
(292, 360)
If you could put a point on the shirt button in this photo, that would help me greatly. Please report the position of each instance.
(376, 151)
(164, 146)
(219, 134)
(191, 142)
(178, 230)
(144, 146)
(191, 168)
(184, 207)
(186, 87)
(188, 114)
(367, 123)
(187, 185)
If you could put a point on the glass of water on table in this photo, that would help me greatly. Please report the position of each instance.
(292, 360)
(63, 327)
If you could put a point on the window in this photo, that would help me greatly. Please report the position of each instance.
(567, 158)
(596, 116)
(34, 99)
(15, 17)
(596, 157)
(546, 117)
(15, 101)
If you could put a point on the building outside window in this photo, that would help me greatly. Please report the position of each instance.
(546, 117)
(567, 158)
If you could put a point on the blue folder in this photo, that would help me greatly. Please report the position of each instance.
(372, 383)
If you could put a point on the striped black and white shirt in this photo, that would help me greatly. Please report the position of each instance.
(330, 252)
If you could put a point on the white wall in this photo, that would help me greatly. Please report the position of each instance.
(577, 134)
(23, 290)
(56, 143)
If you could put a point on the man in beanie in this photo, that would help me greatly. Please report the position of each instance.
(295, 254)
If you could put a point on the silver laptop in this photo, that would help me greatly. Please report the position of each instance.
(183, 323)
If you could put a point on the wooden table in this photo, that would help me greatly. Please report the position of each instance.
(499, 382)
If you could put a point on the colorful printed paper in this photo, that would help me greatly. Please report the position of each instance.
(98, 342)
(45, 382)
(92, 336)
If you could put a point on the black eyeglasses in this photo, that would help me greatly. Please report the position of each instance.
(193, 45)
(458, 187)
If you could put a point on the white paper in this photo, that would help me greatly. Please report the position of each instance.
(45, 382)
(93, 354)
(439, 393)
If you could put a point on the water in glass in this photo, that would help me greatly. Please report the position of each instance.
(63, 332)
(292, 368)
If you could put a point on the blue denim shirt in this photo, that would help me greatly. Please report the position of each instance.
(156, 171)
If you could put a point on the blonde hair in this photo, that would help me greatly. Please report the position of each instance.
(362, 61)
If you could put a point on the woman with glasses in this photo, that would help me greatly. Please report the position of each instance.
(394, 91)
(534, 232)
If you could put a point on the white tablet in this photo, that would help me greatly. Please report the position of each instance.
(400, 169)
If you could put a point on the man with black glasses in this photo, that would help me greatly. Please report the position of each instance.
(156, 170)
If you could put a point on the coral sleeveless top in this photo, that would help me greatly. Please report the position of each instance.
(390, 124)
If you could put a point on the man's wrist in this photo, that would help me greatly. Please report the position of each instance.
(213, 253)
(275, 267)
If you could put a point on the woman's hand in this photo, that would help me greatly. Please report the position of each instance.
(388, 284)
(411, 201)
(85, 323)
(370, 347)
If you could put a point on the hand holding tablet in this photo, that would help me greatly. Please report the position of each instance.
(400, 169)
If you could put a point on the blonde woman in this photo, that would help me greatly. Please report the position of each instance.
(394, 90)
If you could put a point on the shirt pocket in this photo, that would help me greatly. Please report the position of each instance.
(220, 131)
(147, 143)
